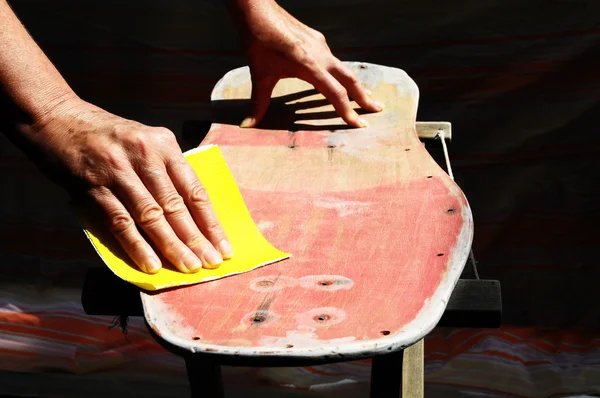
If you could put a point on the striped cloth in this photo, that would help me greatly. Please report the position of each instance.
(519, 81)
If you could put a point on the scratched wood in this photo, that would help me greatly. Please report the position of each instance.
(378, 231)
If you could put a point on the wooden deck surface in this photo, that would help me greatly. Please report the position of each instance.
(378, 232)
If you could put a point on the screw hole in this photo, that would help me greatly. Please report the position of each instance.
(361, 66)
(289, 346)
(450, 210)
(325, 283)
(440, 254)
(259, 319)
(195, 338)
(429, 176)
(385, 332)
(407, 149)
(265, 283)
(331, 146)
(292, 146)
(321, 318)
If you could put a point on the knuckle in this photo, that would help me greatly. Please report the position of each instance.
(198, 194)
(114, 160)
(171, 248)
(352, 78)
(174, 205)
(149, 214)
(214, 227)
(319, 36)
(120, 223)
(93, 177)
(163, 135)
(120, 130)
(340, 93)
(303, 56)
(197, 241)
(138, 143)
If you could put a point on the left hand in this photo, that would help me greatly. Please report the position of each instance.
(279, 46)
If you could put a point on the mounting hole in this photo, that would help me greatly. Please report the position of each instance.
(385, 332)
(195, 338)
(325, 283)
(322, 318)
(361, 66)
(265, 283)
(440, 254)
(330, 146)
(289, 346)
(407, 149)
(292, 146)
(429, 176)
(451, 210)
(259, 319)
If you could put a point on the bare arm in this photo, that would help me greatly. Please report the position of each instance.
(136, 174)
(27, 77)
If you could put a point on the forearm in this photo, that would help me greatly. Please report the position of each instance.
(29, 82)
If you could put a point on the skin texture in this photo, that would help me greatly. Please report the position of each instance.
(278, 46)
(135, 174)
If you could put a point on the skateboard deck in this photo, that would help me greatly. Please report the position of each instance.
(378, 232)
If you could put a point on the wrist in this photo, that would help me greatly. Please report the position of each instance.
(248, 14)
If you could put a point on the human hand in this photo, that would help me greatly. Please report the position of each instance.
(279, 46)
(139, 177)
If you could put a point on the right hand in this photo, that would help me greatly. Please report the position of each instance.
(139, 177)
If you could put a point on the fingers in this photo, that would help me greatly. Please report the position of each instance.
(176, 213)
(349, 80)
(149, 215)
(262, 88)
(123, 228)
(196, 198)
(327, 85)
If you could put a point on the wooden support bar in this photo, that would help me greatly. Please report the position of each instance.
(430, 130)
(474, 303)
(413, 376)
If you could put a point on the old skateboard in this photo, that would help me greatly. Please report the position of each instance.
(379, 233)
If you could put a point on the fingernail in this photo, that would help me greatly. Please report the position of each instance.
(153, 265)
(191, 262)
(247, 122)
(226, 249)
(213, 258)
(363, 122)
(379, 105)
(368, 91)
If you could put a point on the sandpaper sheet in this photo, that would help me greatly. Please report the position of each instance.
(251, 249)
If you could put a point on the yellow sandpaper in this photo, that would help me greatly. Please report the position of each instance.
(251, 249)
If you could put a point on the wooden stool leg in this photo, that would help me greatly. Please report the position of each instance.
(386, 375)
(413, 377)
(205, 378)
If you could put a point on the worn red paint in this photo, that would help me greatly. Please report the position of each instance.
(381, 229)
(387, 244)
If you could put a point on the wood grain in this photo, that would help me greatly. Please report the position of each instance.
(378, 232)
(413, 376)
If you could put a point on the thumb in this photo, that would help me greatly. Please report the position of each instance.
(261, 95)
